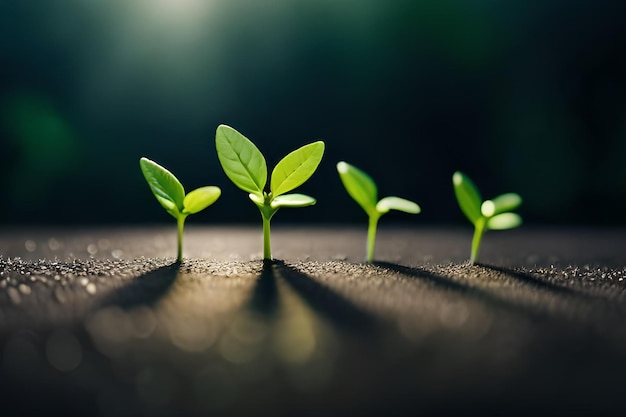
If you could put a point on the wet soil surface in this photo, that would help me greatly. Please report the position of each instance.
(104, 322)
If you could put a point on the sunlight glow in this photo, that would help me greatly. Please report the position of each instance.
(178, 10)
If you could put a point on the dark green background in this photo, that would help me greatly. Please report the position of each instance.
(526, 96)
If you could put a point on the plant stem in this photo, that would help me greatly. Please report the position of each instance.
(267, 250)
(181, 225)
(479, 230)
(371, 237)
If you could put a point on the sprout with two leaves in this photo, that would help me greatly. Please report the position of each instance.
(171, 194)
(245, 166)
(486, 215)
(363, 190)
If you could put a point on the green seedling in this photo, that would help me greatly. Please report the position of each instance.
(171, 194)
(486, 215)
(245, 165)
(363, 190)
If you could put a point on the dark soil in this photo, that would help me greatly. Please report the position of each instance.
(104, 322)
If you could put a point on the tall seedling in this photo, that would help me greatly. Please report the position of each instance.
(486, 215)
(170, 193)
(245, 165)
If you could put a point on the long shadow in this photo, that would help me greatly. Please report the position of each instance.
(264, 298)
(145, 290)
(448, 283)
(338, 310)
(538, 282)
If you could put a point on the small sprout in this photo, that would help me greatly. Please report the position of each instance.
(171, 194)
(486, 215)
(362, 189)
(245, 165)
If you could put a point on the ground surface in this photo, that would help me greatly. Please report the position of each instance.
(103, 322)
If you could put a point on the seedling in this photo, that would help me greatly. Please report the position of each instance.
(245, 165)
(486, 215)
(171, 194)
(363, 190)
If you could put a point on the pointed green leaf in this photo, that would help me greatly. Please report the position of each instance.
(504, 221)
(467, 195)
(293, 200)
(200, 198)
(297, 167)
(168, 191)
(241, 160)
(397, 203)
(359, 185)
(501, 204)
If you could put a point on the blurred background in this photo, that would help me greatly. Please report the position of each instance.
(526, 96)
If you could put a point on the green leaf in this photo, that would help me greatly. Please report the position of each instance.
(241, 160)
(297, 167)
(501, 204)
(467, 195)
(359, 185)
(504, 221)
(257, 199)
(292, 200)
(168, 191)
(200, 198)
(397, 203)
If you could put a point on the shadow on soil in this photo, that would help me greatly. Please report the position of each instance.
(339, 311)
(469, 290)
(145, 290)
(538, 282)
(265, 294)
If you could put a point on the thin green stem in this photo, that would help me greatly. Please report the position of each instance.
(267, 250)
(181, 225)
(371, 237)
(267, 212)
(479, 230)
